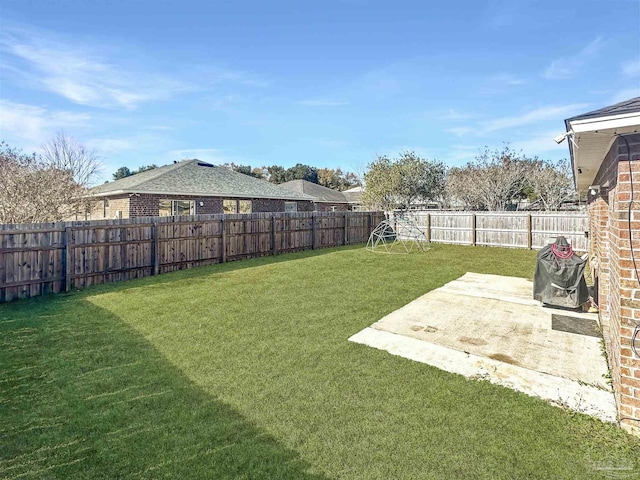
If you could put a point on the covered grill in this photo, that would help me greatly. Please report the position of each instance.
(559, 278)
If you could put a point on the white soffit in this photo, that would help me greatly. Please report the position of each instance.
(593, 138)
(613, 122)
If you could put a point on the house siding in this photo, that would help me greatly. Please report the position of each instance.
(618, 288)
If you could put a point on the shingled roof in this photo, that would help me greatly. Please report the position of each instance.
(197, 178)
(318, 192)
(628, 106)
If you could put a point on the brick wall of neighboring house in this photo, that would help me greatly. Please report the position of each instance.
(144, 205)
(329, 207)
(617, 280)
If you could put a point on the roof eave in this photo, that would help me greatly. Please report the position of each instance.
(606, 127)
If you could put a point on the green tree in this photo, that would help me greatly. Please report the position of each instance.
(277, 174)
(122, 172)
(337, 179)
(144, 168)
(397, 183)
(302, 172)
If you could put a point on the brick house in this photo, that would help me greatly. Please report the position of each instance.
(605, 148)
(324, 199)
(192, 187)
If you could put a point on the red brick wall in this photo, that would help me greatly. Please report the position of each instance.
(618, 284)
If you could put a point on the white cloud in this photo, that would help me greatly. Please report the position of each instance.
(458, 154)
(30, 125)
(322, 103)
(537, 144)
(567, 67)
(460, 131)
(452, 114)
(79, 73)
(506, 79)
(89, 74)
(631, 68)
(552, 112)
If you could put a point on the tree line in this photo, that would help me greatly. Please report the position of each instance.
(496, 180)
(327, 177)
(52, 185)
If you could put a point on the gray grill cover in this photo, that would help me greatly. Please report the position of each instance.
(558, 281)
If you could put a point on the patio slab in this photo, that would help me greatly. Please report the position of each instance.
(489, 327)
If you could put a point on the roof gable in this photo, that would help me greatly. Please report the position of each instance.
(318, 192)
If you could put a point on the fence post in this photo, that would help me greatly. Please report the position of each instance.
(67, 259)
(529, 233)
(156, 247)
(344, 239)
(273, 234)
(224, 240)
(313, 231)
(473, 229)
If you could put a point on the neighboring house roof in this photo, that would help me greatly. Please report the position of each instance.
(318, 192)
(354, 195)
(590, 136)
(196, 178)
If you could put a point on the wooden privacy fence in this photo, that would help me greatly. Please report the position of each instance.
(531, 230)
(48, 258)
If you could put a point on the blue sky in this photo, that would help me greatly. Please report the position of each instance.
(327, 83)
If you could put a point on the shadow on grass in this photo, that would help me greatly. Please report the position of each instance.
(82, 395)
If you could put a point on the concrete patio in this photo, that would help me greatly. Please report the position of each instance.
(489, 327)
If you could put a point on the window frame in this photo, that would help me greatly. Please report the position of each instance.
(245, 201)
(173, 208)
(229, 201)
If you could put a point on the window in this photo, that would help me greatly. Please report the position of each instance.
(244, 206)
(230, 206)
(290, 207)
(167, 208)
(184, 207)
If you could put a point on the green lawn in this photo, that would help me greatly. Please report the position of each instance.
(244, 370)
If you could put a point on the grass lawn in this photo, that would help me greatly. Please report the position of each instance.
(243, 370)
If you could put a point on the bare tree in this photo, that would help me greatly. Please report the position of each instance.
(33, 191)
(63, 152)
(492, 182)
(551, 182)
